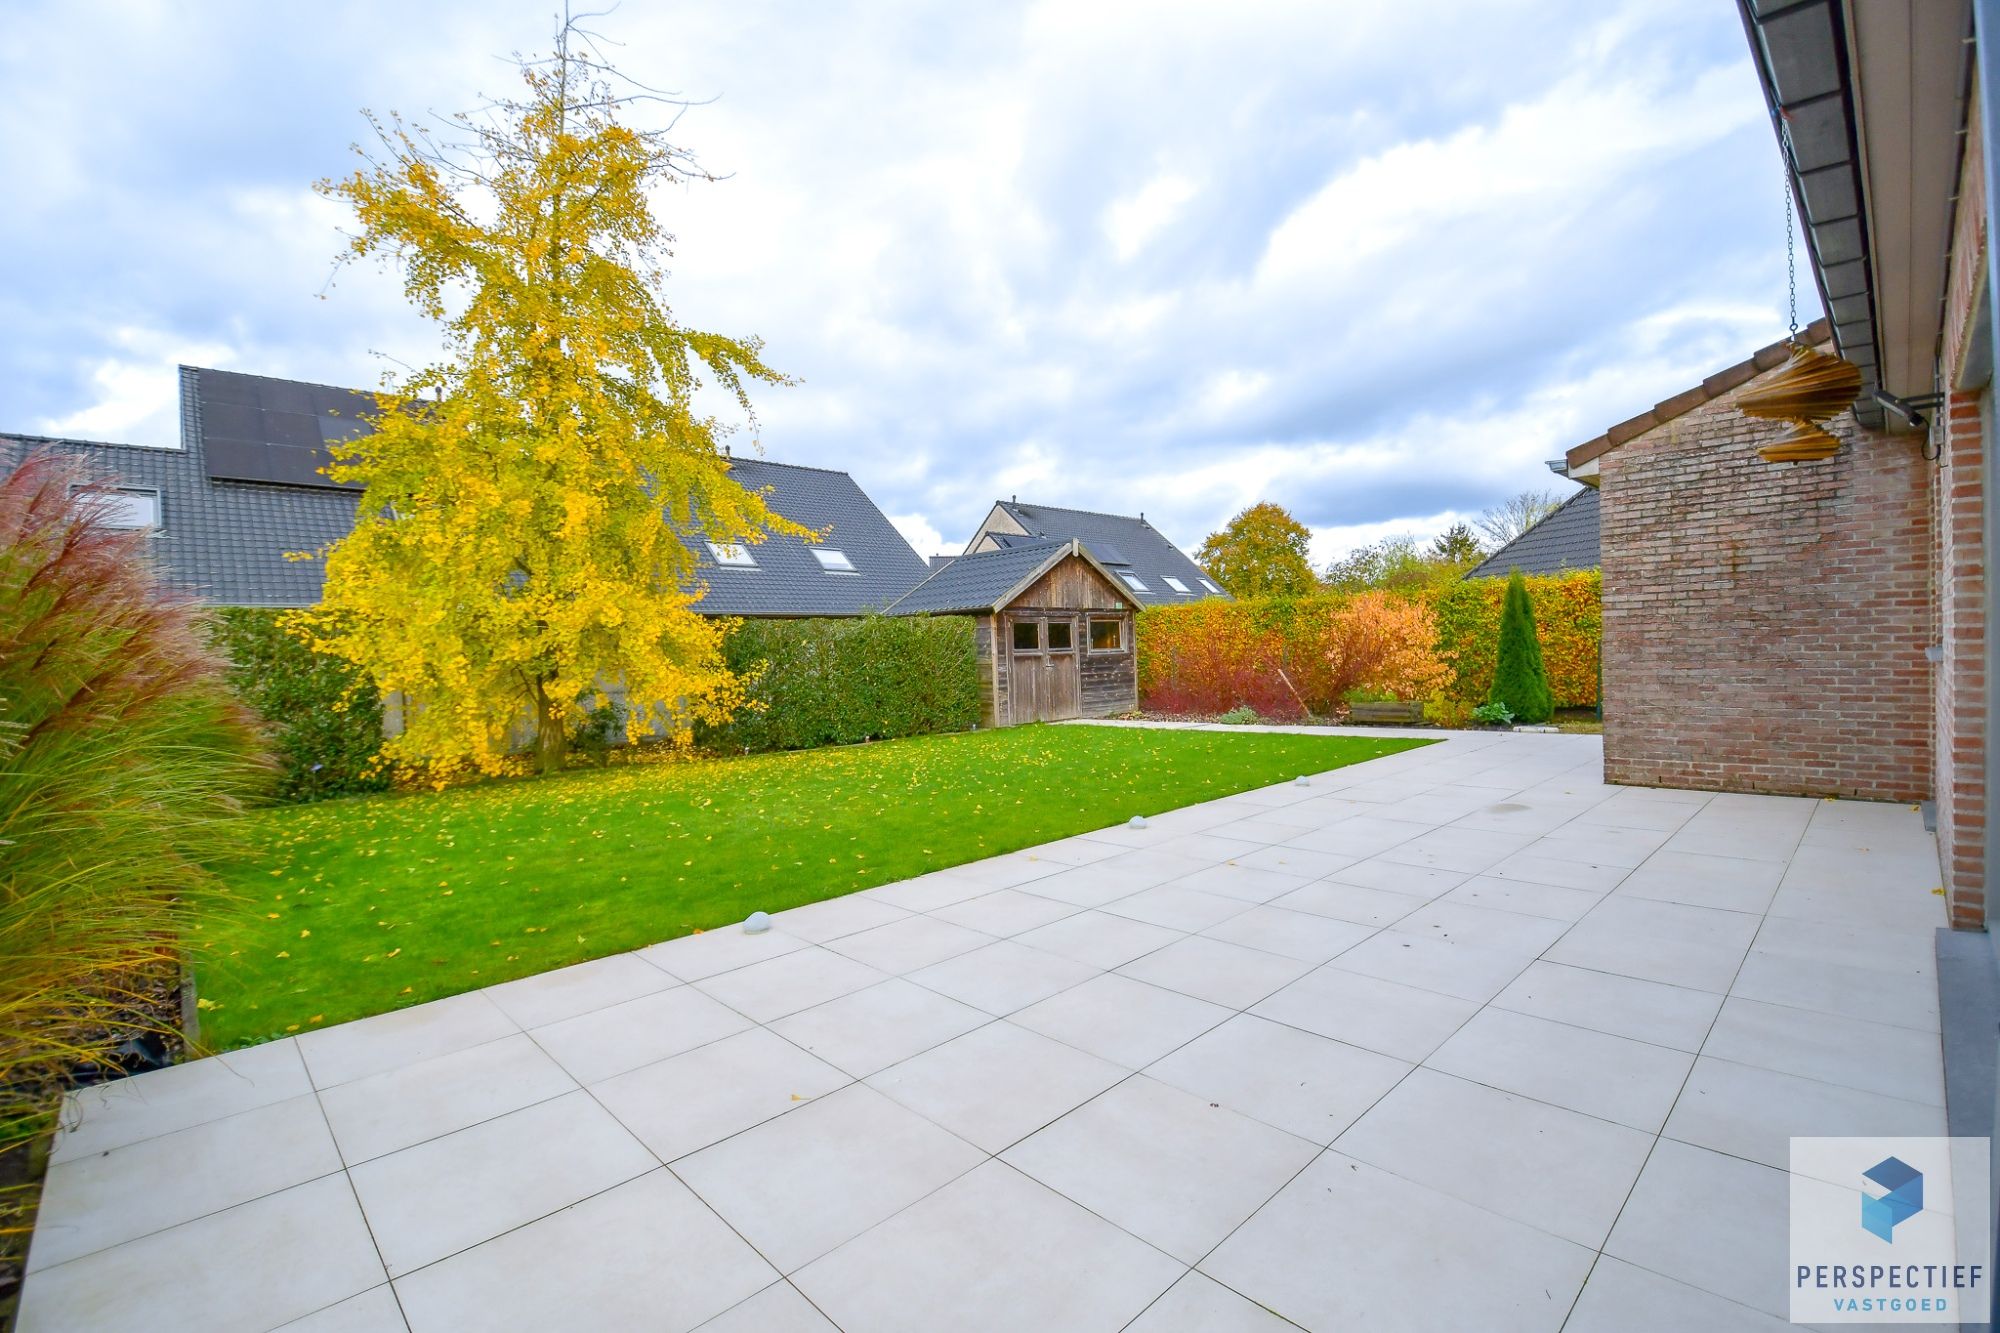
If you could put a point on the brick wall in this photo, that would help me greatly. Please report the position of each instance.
(1765, 625)
(1960, 677)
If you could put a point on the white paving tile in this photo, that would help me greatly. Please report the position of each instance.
(1299, 1082)
(1177, 908)
(1382, 1016)
(1464, 971)
(991, 1252)
(997, 1084)
(802, 1184)
(1226, 974)
(1305, 936)
(906, 945)
(1005, 912)
(1754, 1113)
(451, 1193)
(1613, 1078)
(566, 992)
(1648, 1011)
(1127, 1022)
(643, 1254)
(1350, 902)
(686, 1102)
(410, 1103)
(871, 1029)
(610, 1041)
(1004, 977)
(1622, 1298)
(373, 1311)
(834, 918)
(707, 953)
(102, 1200)
(1873, 1057)
(145, 1106)
(770, 990)
(254, 1266)
(1171, 1168)
(1099, 939)
(778, 1308)
(1557, 1170)
(349, 1051)
(1737, 1252)
(1346, 1245)
(1198, 1304)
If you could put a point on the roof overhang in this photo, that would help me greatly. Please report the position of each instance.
(1872, 96)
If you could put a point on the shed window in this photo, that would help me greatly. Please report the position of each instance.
(1027, 636)
(1133, 582)
(832, 561)
(1176, 584)
(1107, 636)
(1211, 587)
(1059, 636)
(733, 554)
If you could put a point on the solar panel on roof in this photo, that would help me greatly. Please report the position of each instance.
(1107, 553)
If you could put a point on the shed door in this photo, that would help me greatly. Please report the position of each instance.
(1044, 683)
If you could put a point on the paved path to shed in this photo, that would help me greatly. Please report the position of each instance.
(1456, 1039)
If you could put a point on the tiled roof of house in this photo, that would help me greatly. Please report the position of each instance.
(243, 490)
(1128, 546)
(1567, 539)
(789, 580)
(971, 583)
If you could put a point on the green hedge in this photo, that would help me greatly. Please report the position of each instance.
(324, 718)
(834, 682)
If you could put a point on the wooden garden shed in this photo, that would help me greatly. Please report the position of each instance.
(1055, 631)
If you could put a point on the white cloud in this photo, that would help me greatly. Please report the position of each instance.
(1133, 221)
(919, 532)
(136, 393)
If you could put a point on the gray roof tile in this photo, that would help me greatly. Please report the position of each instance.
(1124, 544)
(973, 583)
(226, 539)
(1565, 540)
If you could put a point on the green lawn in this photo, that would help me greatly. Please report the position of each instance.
(364, 905)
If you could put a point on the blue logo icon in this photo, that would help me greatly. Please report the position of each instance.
(1902, 1197)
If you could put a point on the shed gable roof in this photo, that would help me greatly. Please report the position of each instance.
(988, 581)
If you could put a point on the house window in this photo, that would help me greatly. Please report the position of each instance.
(1211, 587)
(129, 507)
(1133, 582)
(1059, 636)
(1176, 584)
(1107, 636)
(832, 561)
(1027, 636)
(733, 555)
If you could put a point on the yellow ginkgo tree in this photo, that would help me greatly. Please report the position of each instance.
(523, 541)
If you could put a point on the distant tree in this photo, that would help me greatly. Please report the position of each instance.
(1262, 552)
(1519, 680)
(1514, 516)
(1458, 545)
(515, 551)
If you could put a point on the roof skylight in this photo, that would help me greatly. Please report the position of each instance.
(1133, 582)
(834, 562)
(733, 555)
(1176, 584)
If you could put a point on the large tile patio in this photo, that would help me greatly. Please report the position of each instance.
(1457, 1039)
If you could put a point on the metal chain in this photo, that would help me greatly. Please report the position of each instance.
(1791, 245)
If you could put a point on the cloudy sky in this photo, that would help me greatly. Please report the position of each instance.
(1375, 261)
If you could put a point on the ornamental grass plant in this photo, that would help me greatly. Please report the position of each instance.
(123, 762)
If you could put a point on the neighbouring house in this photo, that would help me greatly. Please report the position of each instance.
(244, 491)
(1053, 628)
(1565, 541)
(1151, 568)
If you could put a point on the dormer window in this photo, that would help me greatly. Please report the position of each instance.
(832, 561)
(732, 555)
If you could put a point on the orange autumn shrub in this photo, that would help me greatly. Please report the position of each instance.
(1286, 657)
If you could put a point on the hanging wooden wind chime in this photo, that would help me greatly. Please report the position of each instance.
(1811, 390)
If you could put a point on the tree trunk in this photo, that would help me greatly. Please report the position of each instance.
(551, 736)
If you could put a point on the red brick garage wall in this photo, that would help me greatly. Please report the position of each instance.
(1765, 626)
